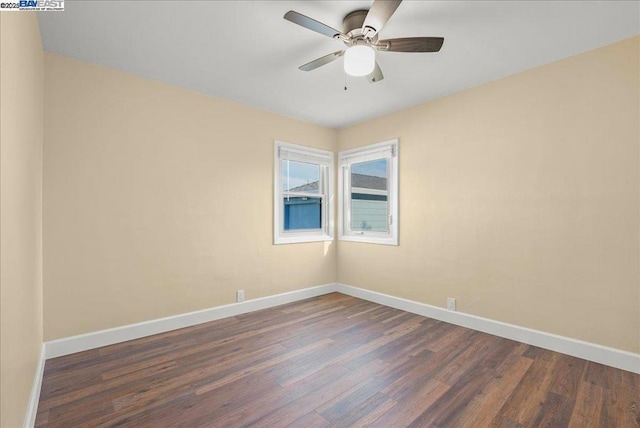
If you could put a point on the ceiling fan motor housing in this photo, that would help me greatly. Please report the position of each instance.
(353, 22)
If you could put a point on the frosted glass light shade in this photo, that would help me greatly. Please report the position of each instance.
(359, 60)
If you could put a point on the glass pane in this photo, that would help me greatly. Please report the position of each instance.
(302, 213)
(369, 191)
(300, 177)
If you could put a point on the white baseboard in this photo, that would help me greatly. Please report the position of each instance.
(34, 397)
(589, 351)
(83, 342)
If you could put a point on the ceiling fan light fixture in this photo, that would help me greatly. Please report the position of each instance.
(359, 60)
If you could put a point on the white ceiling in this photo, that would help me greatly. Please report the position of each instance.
(245, 51)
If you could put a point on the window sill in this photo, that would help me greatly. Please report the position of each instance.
(370, 240)
(301, 239)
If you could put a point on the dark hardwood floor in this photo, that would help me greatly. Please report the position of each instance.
(332, 361)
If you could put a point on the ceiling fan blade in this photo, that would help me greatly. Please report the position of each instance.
(376, 75)
(411, 44)
(311, 24)
(321, 61)
(379, 14)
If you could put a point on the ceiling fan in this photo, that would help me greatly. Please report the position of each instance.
(360, 35)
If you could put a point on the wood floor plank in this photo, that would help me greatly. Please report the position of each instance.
(319, 397)
(343, 403)
(554, 411)
(523, 404)
(622, 399)
(261, 366)
(588, 408)
(337, 361)
(567, 376)
(366, 412)
(206, 407)
(310, 420)
(483, 408)
(422, 368)
(455, 400)
(411, 407)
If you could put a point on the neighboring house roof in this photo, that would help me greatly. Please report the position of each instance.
(309, 187)
(361, 181)
(368, 181)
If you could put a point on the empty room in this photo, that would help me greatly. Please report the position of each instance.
(305, 214)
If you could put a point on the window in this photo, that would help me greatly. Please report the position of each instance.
(303, 194)
(368, 186)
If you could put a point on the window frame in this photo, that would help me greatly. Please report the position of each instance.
(384, 150)
(325, 160)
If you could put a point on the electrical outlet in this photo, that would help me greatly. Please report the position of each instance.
(240, 296)
(451, 303)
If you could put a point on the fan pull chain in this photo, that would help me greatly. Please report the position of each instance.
(345, 81)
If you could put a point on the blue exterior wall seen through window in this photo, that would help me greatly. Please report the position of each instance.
(302, 213)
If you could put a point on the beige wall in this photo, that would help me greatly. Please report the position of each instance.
(158, 201)
(520, 198)
(21, 79)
